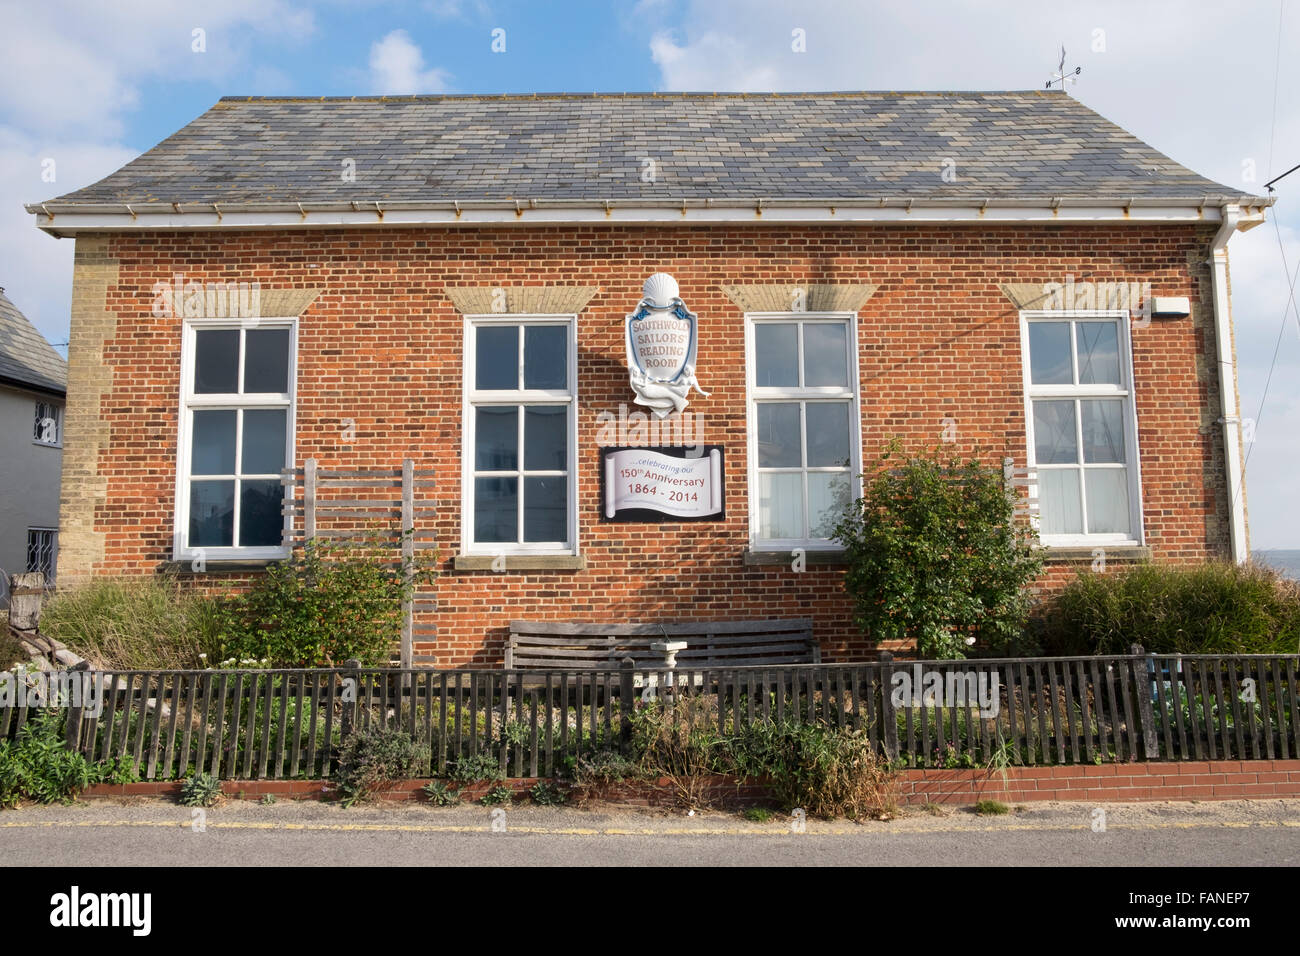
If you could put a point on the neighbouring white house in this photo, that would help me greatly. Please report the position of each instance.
(33, 390)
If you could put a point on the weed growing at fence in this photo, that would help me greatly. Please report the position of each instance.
(475, 768)
(991, 808)
(200, 790)
(39, 766)
(757, 814)
(439, 794)
(546, 794)
(373, 758)
(498, 794)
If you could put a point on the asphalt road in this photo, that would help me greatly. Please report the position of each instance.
(157, 833)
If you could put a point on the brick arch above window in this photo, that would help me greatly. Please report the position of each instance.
(521, 300)
(814, 297)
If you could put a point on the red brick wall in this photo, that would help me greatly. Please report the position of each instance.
(382, 346)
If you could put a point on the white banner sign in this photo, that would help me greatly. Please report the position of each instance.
(638, 478)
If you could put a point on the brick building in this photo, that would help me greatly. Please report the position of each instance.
(461, 281)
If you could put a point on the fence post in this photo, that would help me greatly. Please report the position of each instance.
(1146, 714)
(888, 715)
(77, 702)
(352, 672)
(626, 698)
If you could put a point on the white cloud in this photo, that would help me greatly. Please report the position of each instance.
(397, 67)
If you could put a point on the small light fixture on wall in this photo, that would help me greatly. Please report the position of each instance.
(1170, 307)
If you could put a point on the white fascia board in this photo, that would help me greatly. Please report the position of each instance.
(73, 219)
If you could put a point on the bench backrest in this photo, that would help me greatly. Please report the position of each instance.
(573, 645)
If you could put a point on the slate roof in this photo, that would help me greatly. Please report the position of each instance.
(813, 146)
(25, 357)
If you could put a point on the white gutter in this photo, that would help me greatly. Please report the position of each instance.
(65, 219)
(1231, 217)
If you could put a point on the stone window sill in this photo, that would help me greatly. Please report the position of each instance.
(520, 562)
(786, 558)
(229, 566)
(1112, 552)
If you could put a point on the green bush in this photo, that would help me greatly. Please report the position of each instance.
(326, 605)
(145, 623)
(374, 757)
(1218, 608)
(39, 766)
(441, 795)
(933, 556)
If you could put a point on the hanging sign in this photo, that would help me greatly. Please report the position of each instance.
(662, 335)
(663, 484)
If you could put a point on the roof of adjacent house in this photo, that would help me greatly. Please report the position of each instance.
(999, 146)
(26, 358)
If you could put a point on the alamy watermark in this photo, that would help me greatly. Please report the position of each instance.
(630, 428)
(192, 299)
(1118, 295)
(67, 689)
(924, 687)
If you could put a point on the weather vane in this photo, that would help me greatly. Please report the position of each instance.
(1060, 76)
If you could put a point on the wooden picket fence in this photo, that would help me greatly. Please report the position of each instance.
(276, 724)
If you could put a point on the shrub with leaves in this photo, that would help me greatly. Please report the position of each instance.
(546, 794)
(933, 556)
(327, 604)
(373, 758)
(440, 795)
(39, 766)
(1218, 608)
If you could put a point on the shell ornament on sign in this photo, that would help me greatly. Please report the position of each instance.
(662, 336)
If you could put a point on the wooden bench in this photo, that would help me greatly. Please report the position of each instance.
(570, 645)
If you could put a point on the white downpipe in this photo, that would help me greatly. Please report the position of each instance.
(1229, 412)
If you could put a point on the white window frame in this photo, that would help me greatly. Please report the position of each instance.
(54, 553)
(190, 401)
(472, 398)
(1126, 391)
(58, 423)
(755, 394)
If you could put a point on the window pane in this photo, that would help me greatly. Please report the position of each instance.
(825, 356)
(263, 452)
(496, 438)
(1107, 500)
(496, 357)
(546, 360)
(546, 509)
(1098, 344)
(1058, 501)
(212, 514)
(214, 443)
(1055, 442)
(828, 433)
(266, 360)
(545, 438)
(260, 522)
(828, 497)
(1049, 353)
(496, 509)
(778, 435)
(1103, 430)
(780, 506)
(776, 354)
(216, 361)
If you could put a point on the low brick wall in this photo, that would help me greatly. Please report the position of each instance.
(1109, 783)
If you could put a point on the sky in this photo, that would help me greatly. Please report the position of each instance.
(86, 86)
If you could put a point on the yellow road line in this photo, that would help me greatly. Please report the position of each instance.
(813, 830)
